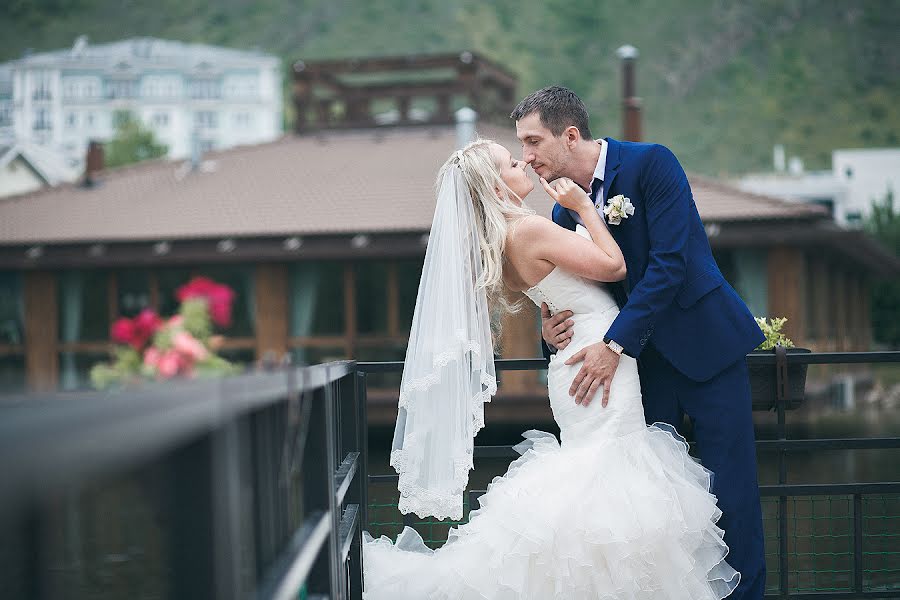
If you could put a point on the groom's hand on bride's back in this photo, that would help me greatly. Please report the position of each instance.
(598, 368)
(556, 329)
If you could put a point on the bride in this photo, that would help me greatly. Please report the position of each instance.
(617, 509)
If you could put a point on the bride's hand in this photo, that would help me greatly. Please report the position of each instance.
(568, 194)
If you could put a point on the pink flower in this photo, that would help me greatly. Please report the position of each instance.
(175, 321)
(219, 298)
(189, 346)
(123, 331)
(152, 356)
(169, 364)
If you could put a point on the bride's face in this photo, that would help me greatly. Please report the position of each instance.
(512, 172)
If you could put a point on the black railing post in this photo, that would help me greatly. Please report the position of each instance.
(857, 543)
(192, 565)
(332, 443)
(781, 392)
(316, 486)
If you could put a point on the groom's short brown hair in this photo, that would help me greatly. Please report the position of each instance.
(558, 108)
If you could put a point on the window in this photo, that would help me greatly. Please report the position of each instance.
(71, 119)
(316, 299)
(89, 119)
(243, 120)
(12, 309)
(5, 116)
(161, 119)
(121, 89)
(83, 300)
(42, 82)
(42, 119)
(408, 274)
(205, 89)
(371, 297)
(206, 119)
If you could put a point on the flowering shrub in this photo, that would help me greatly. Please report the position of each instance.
(183, 345)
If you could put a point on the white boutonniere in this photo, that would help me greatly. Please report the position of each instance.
(618, 208)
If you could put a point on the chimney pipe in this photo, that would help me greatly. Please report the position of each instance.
(465, 126)
(93, 163)
(631, 104)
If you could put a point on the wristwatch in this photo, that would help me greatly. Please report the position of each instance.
(613, 345)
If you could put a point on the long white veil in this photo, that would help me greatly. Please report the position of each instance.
(449, 372)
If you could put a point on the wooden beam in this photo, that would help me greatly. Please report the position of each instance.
(785, 266)
(350, 320)
(41, 331)
(271, 310)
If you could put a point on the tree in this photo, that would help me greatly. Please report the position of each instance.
(132, 142)
(884, 224)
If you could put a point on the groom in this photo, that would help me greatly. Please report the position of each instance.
(688, 329)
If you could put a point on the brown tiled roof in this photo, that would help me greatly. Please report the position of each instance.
(335, 182)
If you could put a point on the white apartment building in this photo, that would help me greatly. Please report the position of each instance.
(858, 177)
(187, 94)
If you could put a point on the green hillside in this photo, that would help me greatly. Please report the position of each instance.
(722, 81)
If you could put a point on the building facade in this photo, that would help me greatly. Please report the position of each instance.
(857, 179)
(187, 94)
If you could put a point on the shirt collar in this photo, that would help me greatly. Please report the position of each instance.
(600, 169)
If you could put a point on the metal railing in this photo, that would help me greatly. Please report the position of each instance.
(780, 492)
(257, 486)
(251, 486)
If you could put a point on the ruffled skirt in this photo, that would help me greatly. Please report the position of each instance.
(624, 517)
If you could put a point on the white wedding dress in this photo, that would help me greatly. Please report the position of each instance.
(617, 510)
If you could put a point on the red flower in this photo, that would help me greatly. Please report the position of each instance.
(219, 298)
(123, 331)
(145, 325)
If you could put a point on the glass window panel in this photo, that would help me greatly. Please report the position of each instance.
(12, 374)
(133, 290)
(315, 356)
(408, 274)
(243, 357)
(11, 308)
(371, 297)
(75, 369)
(317, 298)
(241, 279)
(382, 353)
(169, 281)
(83, 298)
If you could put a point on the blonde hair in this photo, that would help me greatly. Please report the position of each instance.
(495, 215)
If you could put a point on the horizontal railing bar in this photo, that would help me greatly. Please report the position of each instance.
(50, 441)
(383, 478)
(344, 476)
(827, 489)
(289, 572)
(827, 358)
(887, 595)
(505, 364)
(347, 528)
(829, 444)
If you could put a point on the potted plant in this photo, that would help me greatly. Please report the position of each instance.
(763, 379)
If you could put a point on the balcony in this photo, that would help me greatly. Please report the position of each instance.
(259, 485)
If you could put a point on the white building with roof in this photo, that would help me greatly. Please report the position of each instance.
(858, 177)
(187, 94)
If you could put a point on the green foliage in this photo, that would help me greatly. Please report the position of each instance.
(772, 330)
(884, 224)
(197, 321)
(132, 142)
(721, 82)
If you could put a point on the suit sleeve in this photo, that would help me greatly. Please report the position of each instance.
(667, 203)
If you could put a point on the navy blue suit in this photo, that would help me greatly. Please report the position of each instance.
(690, 332)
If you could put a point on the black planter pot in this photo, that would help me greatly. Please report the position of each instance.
(763, 382)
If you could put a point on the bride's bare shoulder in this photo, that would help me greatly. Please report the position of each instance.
(527, 227)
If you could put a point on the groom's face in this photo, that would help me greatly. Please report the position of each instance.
(546, 153)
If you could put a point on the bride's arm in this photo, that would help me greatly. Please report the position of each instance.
(600, 260)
